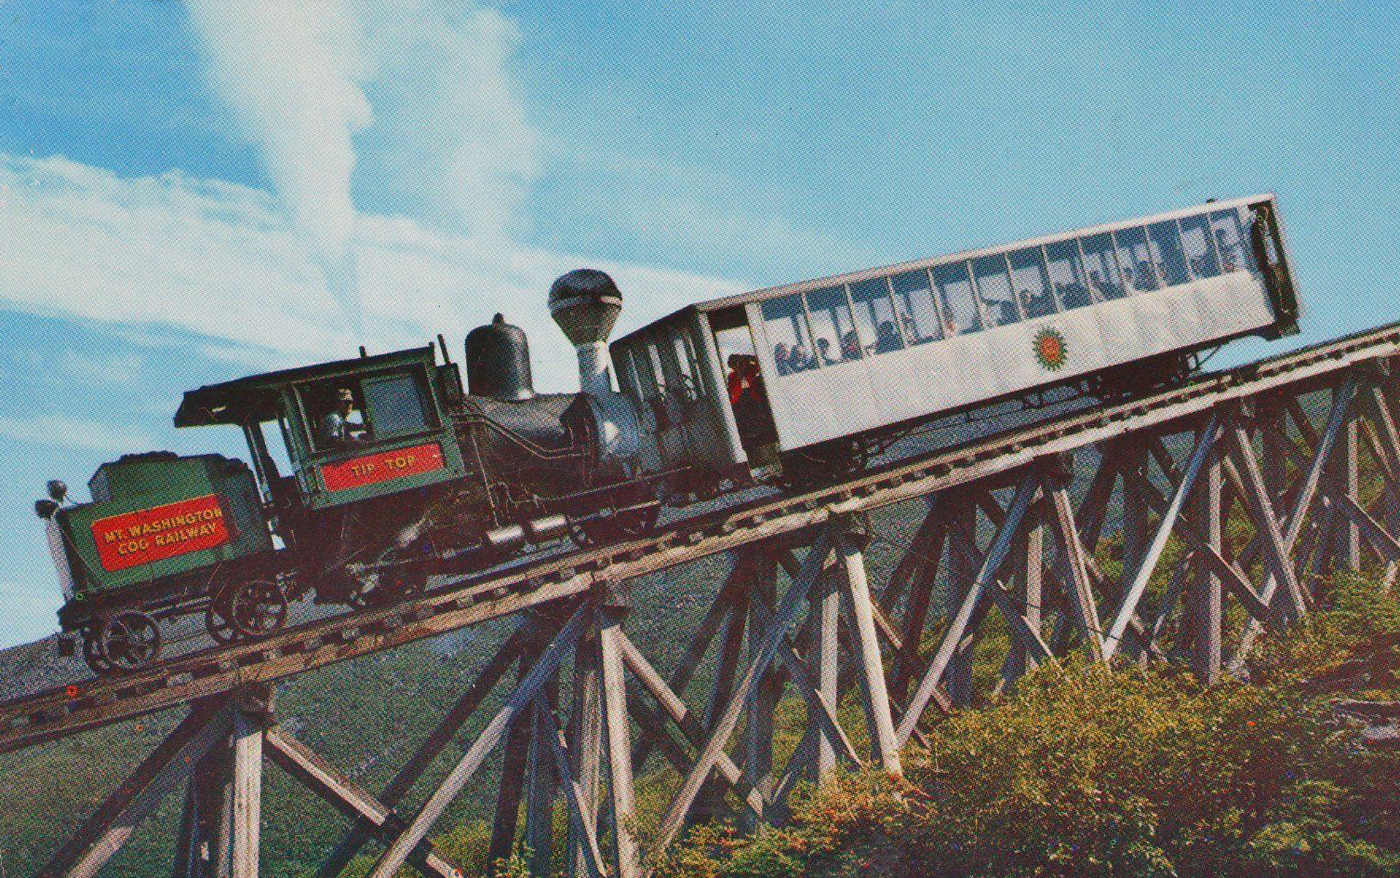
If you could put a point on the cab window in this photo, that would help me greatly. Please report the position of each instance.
(334, 412)
(395, 406)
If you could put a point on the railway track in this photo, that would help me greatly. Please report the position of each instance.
(468, 600)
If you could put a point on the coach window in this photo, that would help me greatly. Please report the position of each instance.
(1102, 266)
(1166, 252)
(913, 301)
(626, 375)
(833, 331)
(875, 316)
(785, 324)
(1067, 274)
(1199, 246)
(994, 289)
(686, 362)
(1032, 282)
(1135, 260)
(1229, 240)
(954, 284)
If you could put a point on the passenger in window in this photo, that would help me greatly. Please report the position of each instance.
(782, 359)
(343, 425)
(850, 346)
(824, 351)
(886, 338)
(799, 360)
(950, 326)
(911, 329)
(1073, 295)
(1229, 257)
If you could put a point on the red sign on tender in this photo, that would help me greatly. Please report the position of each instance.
(382, 467)
(160, 532)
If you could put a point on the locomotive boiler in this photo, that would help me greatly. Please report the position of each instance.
(396, 473)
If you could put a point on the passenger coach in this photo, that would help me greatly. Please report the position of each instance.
(799, 371)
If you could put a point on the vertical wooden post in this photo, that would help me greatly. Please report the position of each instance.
(758, 740)
(540, 788)
(617, 735)
(826, 611)
(879, 721)
(246, 816)
(586, 719)
(1346, 482)
(962, 570)
(1031, 549)
(1204, 598)
(513, 767)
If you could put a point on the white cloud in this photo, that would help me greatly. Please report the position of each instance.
(290, 70)
(451, 141)
(217, 260)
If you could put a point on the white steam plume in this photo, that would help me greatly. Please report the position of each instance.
(291, 72)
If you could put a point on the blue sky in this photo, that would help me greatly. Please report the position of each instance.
(191, 191)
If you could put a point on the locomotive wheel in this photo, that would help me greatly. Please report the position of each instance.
(217, 620)
(130, 640)
(257, 608)
(92, 654)
(822, 464)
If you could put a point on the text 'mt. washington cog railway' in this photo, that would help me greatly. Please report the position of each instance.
(398, 472)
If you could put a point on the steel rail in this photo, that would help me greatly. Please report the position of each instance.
(472, 599)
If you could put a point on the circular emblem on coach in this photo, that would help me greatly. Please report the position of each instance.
(1050, 348)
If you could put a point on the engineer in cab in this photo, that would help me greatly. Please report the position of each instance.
(344, 425)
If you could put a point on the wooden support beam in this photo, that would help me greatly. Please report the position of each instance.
(880, 723)
(417, 829)
(1204, 600)
(247, 793)
(446, 729)
(1384, 543)
(735, 583)
(583, 818)
(1345, 481)
(758, 727)
(540, 788)
(170, 764)
(1152, 552)
(826, 610)
(1322, 450)
(586, 765)
(618, 742)
(1078, 590)
(728, 718)
(822, 709)
(1277, 553)
(685, 719)
(1001, 545)
(1031, 550)
(340, 792)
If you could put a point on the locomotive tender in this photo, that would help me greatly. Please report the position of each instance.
(397, 472)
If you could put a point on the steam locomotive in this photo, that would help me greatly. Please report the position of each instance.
(398, 473)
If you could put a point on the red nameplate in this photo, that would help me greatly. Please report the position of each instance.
(161, 532)
(382, 467)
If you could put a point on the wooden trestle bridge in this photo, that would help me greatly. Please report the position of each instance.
(1280, 443)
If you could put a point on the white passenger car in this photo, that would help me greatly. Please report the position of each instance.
(752, 378)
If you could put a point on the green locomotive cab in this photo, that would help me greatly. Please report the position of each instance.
(372, 453)
(354, 430)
